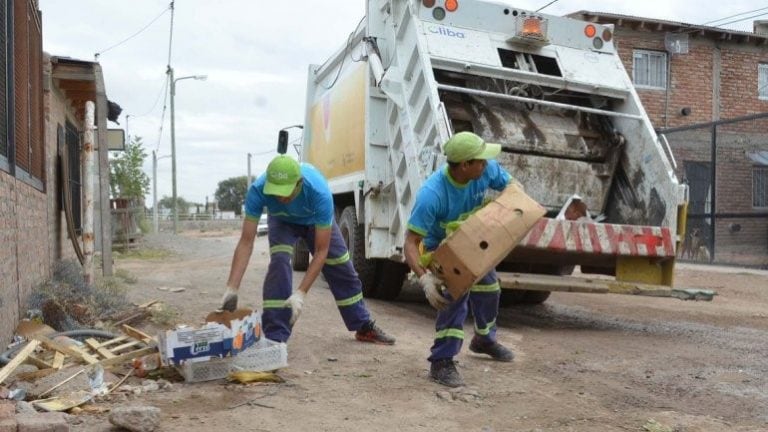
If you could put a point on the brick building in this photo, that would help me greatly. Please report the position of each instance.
(690, 75)
(42, 97)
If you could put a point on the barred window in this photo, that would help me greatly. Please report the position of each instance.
(4, 147)
(760, 187)
(649, 69)
(762, 81)
(28, 93)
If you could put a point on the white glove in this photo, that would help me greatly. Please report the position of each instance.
(229, 300)
(295, 301)
(431, 286)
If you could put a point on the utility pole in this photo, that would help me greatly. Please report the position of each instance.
(155, 223)
(173, 142)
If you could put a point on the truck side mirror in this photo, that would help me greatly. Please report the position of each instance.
(282, 142)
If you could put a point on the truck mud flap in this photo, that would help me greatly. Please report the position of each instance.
(523, 281)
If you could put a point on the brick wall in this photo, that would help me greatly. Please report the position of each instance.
(693, 79)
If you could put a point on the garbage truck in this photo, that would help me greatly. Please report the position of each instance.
(551, 90)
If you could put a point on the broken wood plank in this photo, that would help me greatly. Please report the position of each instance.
(20, 358)
(148, 304)
(122, 358)
(34, 375)
(113, 341)
(67, 350)
(138, 334)
(58, 360)
(125, 345)
(39, 363)
(94, 344)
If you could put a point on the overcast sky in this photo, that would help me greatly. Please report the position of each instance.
(256, 54)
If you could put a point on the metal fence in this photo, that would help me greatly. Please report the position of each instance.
(725, 165)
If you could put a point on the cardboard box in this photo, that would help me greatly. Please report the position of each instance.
(485, 239)
(224, 334)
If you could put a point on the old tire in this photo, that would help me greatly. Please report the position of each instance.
(354, 235)
(510, 297)
(391, 279)
(300, 259)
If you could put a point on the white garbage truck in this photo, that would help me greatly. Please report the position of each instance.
(551, 90)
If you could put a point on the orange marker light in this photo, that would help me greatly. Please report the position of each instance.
(451, 5)
(532, 26)
(590, 31)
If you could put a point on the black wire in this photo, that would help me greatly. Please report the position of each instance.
(346, 50)
(547, 5)
(133, 35)
(733, 16)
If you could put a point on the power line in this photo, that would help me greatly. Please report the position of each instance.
(742, 19)
(168, 83)
(547, 5)
(98, 53)
(163, 87)
(733, 16)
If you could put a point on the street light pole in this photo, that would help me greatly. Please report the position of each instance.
(173, 142)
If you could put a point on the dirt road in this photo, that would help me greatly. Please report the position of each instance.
(584, 362)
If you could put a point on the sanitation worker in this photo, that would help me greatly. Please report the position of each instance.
(299, 204)
(448, 195)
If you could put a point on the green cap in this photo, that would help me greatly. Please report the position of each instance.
(282, 175)
(465, 146)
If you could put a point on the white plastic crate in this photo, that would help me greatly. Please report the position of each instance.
(205, 370)
(265, 355)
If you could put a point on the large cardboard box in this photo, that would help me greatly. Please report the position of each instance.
(485, 239)
(224, 334)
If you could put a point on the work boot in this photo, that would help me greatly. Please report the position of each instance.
(496, 350)
(370, 332)
(444, 372)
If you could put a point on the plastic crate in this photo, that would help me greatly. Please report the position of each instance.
(265, 355)
(206, 370)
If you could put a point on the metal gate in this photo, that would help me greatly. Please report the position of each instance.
(725, 165)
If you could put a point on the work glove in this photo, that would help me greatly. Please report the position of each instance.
(296, 302)
(229, 300)
(431, 286)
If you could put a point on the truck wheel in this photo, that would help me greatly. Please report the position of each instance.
(510, 297)
(300, 256)
(535, 297)
(354, 235)
(391, 279)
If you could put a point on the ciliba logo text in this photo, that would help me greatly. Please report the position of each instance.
(445, 31)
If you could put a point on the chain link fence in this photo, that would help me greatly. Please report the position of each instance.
(725, 165)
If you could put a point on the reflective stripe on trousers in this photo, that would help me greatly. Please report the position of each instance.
(483, 298)
(278, 283)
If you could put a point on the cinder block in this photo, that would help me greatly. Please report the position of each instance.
(42, 422)
(8, 425)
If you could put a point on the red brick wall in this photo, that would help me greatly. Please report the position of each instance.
(692, 84)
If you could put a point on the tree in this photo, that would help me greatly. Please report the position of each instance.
(126, 177)
(231, 194)
(167, 202)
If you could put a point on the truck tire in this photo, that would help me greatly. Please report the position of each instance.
(391, 279)
(354, 235)
(300, 259)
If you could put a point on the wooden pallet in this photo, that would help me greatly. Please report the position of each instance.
(57, 355)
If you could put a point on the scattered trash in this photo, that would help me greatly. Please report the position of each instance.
(245, 377)
(332, 359)
(17, 394)
(178, 289)
(96, 380)
(64, 403)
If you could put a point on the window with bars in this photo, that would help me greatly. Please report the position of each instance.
(4, 147)
(27, 97)
(762, 81)
(760, 187)
(649, 69)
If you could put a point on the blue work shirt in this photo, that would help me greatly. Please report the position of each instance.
(442, 200)
(312, 206)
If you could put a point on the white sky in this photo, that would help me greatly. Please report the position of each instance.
(256, 54)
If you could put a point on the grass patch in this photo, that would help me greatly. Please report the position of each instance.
(126, 276)
(163, 315)
(144, 254)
